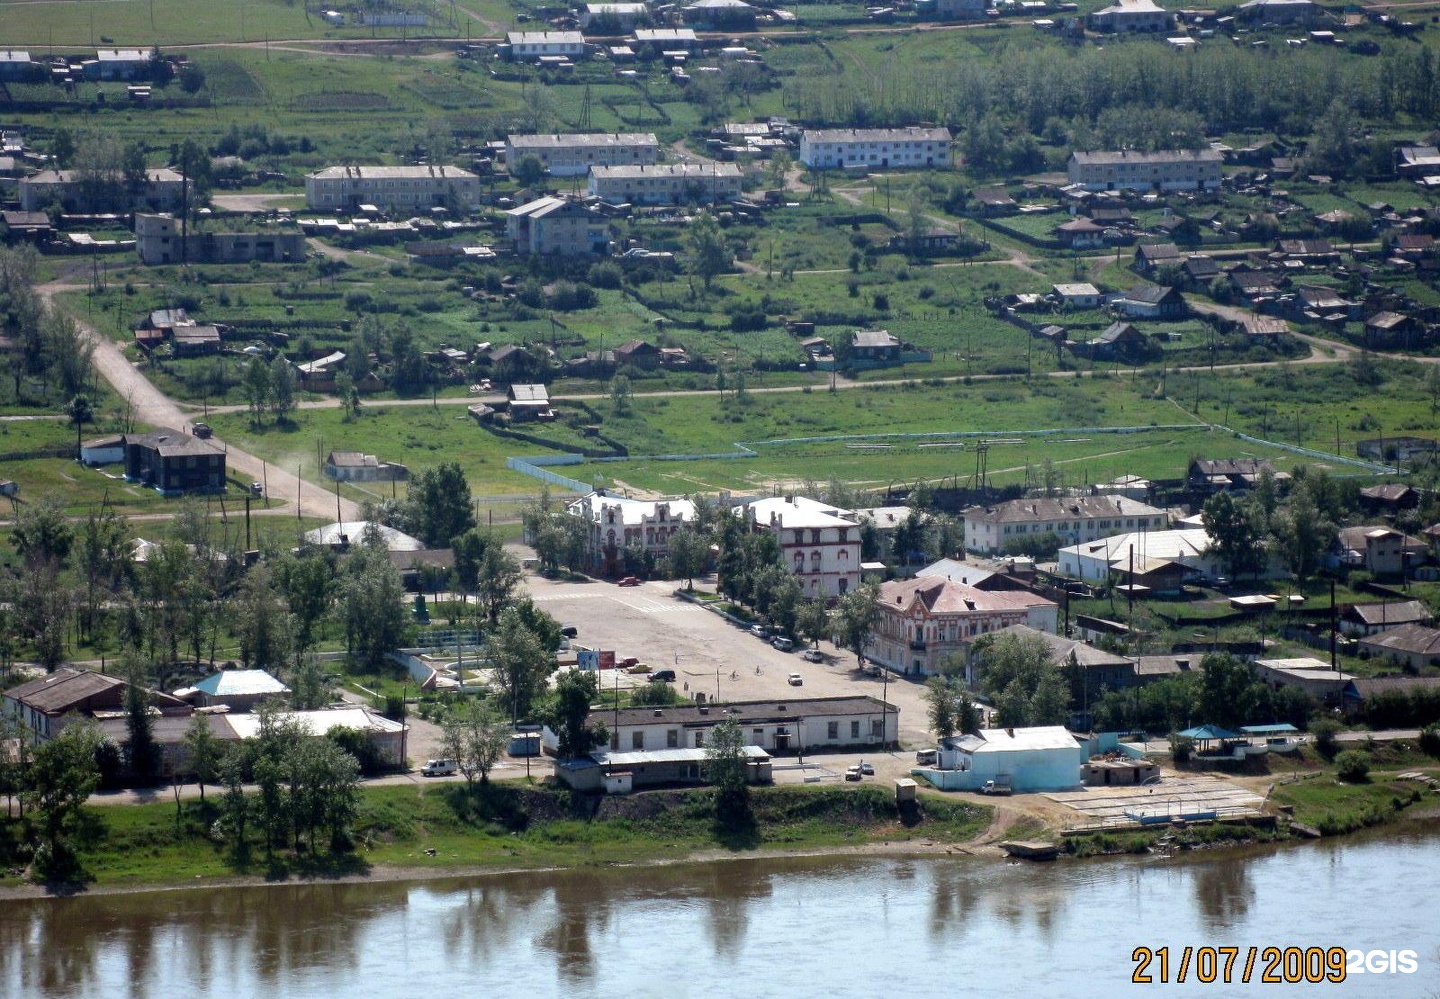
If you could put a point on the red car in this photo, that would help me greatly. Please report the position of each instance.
(629, 581)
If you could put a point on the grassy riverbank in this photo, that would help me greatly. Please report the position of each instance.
(447, 828)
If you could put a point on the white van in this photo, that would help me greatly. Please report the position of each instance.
(439, 768)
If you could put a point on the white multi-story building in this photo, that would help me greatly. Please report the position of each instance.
(666, 183)
(616, 523)
(573, 154)
(842, 148)
(818, 544)
(1072, 519)
(557, 227)
(392, 188)
(1165, 170)
(928, 618)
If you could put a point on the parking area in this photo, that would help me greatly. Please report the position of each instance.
(709, 654)
(1176, 796)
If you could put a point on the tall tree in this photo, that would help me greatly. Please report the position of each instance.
(709, 253)
(282, 389)
(476, 739)
(42, 532)
(205, 751)
(63, 775)
(81, 411)
(1234, 536)
(440, 505)
(142, 753)
(569, 713)
(370, 605)
(812, 621)
(727, 767)
(520, 663)
(259, 620)
(257, 388)
(856, 617)
(497, 580)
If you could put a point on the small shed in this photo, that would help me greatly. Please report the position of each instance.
(906, 791)
(103, 450)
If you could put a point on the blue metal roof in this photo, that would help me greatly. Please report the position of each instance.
(1268, 729)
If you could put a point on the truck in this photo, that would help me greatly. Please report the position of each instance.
(1000, 785)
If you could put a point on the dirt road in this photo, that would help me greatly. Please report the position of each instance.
(149, 405)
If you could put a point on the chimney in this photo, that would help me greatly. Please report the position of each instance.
(704, 709)
(659, 713)
(1010, 732)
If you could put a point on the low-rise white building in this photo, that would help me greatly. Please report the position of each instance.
(1130, 169)
(1131, 16)
(616, 523)
(845, 148)
(1191, 550)
(1044, 758)
(392, 188)
(818, 542)
(927, 619)
(573, 154)
(666, 183)
(557, 227)
(526, 46)
(1072, 519)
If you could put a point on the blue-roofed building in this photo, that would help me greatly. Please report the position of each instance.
(236, 689)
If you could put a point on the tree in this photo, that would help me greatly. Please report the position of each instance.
(141, 751)
(235, 807)
(257, 388)
(440, 505)
(621, 395)
(204, 750)
(520, 663)
(62, 148)
(529, 171)
(689, 552)
(709, 253)
(475, 738)
(1352, 766)
(812, 621)
(282, 389)
(856, 617)
(1021, 675)
(497, 579)
(43, 605)
(1234, 537)
(370, 605)
(569, 712)
(42, 532)
(1228, 691)
(940, 699)
(727, 768)
(1302, 530)
(260, 622)
(81, 411)
(349, 395)
(63, 775)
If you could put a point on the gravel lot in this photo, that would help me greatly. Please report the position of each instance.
(712, 656)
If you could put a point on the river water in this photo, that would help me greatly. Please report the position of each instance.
(794, 928)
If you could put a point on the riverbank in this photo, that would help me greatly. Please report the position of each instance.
(404, 833)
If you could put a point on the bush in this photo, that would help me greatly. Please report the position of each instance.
(605, 274)
(1430, 741)
(1325, 732)
(747, 318)
(1352, 766)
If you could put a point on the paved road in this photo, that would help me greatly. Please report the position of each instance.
(149, 405)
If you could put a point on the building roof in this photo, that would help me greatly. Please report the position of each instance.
(571, 140)
(1171, 545)
(794, 511)
(912, 134)
(172, 443)
(1207, 733)
(1077, 290)
(1162, 156)
(635, 758)
(59, 692)
(965, 573)
(353, 531)
(945, 596)
(640, 171)
(1130, 7)
(1148, 294)
(529, 395)
(1357, 539)
(544, 38)
(874, 338)
(436, 171)
(1304, 668)
(1392, 612)
(664, 34)
(1391, 492)
(1063, 509)
(241, 682)
(124, 55)
(748, 712)
(320, 722)
(1156, 252)
(1408, 638)
(543, 207)
(1165, 665)
(1062, 648)
(632, 512)
(1116, 332)
(1367, 687)
(1017, 740)
(352, 459)
(1248, 468)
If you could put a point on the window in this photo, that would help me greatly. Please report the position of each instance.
(832, 730)
(700, 739)
(815, 536)
(637, 740)
(672, 739)
(877, 727)
(757, 736)
(855, 729)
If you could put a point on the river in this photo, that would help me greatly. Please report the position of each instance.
(789, 927)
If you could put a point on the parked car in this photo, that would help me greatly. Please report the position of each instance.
(663, 676)
(926, 757)
(812, 656)
(629, 581)
(628, 661)
(868, 769)
(257, 489)
(638, 668)
(759, 631)
(995, 787)
(796, 680)
(852, 773)
(783, 644)
(201, 430)
(569, 631)
(439, 768)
